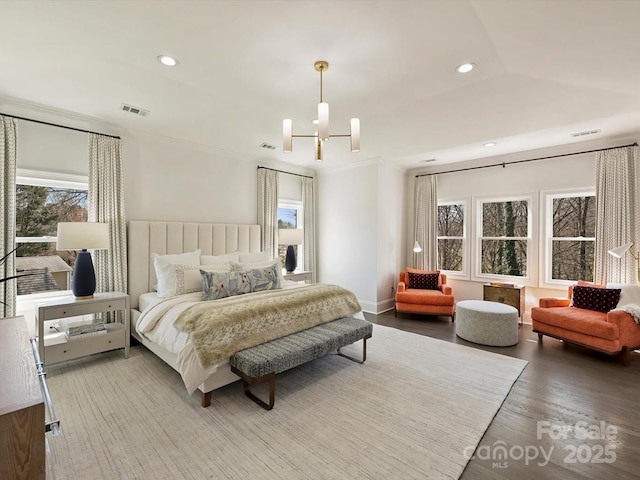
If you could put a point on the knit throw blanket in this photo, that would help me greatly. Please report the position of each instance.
(219, 328)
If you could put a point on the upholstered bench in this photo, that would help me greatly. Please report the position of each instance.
(487, 323)
(261, 363)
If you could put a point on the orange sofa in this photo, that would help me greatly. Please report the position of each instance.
(424, 301)
(614, 332)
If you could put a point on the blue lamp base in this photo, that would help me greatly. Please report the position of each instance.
(83, 283)
(290, 262)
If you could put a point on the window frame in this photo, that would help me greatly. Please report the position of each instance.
(464, 274)
(546, 246)
(531, 278)
(47, 179)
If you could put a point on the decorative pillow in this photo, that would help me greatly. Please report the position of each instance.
(217, 285)
(166, 273)
(415, 270)
(219, 259)
(597, 299)
(267, 278)
(239, 267)
(189, 279)
(254, 257)
(424, 281)
(629, 293)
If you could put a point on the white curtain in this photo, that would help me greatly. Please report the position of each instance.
(268, 210)
(426, 222)
(616, 214)
(106, 205)
(308, 207)
(8, 148)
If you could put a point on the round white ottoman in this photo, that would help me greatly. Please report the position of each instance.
(487, 323)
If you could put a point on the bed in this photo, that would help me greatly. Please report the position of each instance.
(147, 239)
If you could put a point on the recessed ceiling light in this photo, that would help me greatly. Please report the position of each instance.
(167, 60)
(489, 144)
(465, 67)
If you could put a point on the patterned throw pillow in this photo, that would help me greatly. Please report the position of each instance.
(596, 299)
(424, 281)
(217, 285)
(266, 278)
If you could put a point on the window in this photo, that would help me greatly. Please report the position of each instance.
(42, 202)
(570, 236)
(290, 216)
(451, 237)
(504, 237)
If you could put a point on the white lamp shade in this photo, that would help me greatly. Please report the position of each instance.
(355, 135)
(416, 247)
(83, 235)
(290, 236)
(323, 121)
(287, 135)
(618, 252)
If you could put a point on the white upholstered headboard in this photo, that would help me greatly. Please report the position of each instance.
(145, 238)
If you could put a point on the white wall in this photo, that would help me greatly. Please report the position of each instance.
(52, 149)
(166, 180)
(347, 231)
(390, 225)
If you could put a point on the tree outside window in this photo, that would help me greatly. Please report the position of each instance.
(38, 211)
(572, 236)
(505, 237)
(451, 237)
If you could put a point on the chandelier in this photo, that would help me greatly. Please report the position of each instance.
(322, 135)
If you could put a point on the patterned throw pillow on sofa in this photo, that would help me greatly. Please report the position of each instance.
(597, 299)
(424, 281)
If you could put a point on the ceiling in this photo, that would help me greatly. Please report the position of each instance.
(545, 69)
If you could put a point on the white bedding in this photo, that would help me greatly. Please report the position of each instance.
(156, 324)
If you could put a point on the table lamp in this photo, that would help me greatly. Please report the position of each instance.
(83, 236)
(290, 237)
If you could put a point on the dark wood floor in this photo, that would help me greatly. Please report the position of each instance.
(575, 407)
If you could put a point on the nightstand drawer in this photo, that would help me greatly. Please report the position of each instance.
(87, 344)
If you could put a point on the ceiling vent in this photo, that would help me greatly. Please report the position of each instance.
(268, 146)
(135, 110)
(428, 160)
(586, 132)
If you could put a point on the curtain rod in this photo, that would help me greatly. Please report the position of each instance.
(56, 125)
(282, 171)
(504, 164)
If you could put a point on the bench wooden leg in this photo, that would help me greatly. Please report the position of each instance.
(248, 381)
(364, 352)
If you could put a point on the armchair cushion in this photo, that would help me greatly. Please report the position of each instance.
(596, 299)
(424, 281)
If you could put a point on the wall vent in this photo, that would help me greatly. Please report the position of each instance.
(268, 146)
(428, 160)
(586, 132)
(135, 110)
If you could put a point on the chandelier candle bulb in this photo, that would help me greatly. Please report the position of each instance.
(355, 135)
(287, 135)
(318, 149)
(323, 121)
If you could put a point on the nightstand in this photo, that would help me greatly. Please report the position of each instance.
(55, 347)
(299, 276)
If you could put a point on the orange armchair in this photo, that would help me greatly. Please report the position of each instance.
(427, 301)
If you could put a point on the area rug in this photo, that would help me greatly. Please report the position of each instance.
(415, 409)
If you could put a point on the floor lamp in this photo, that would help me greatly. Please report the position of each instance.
(618, 252)
(416, 250)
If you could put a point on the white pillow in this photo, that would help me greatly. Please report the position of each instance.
(235, 266)
(165, 272)
(219, 259)
(629, 293)
(254, 257)
(189, 279)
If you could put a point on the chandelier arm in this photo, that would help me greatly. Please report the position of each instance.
(304, 136)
